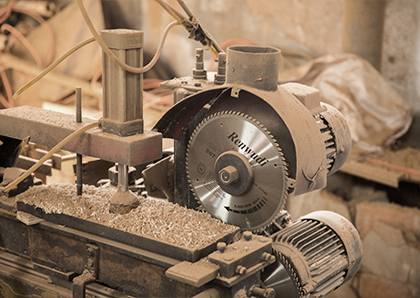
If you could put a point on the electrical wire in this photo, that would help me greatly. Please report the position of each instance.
(4, 101)
(47, 29)
(227, 43)
(48, 155)
(96, 38)
(173, 12)
(6, 11)
(52, 66)
(115, 58)
(7, 87)
(24, 41)
(212, 45)
(186, 9)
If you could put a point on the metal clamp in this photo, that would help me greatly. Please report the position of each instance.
(89, 274)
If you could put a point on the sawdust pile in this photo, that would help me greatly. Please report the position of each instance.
(153, 218)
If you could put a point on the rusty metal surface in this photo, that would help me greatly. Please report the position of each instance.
(20, 277)
(139, 278)
(49, 128)
(56, 251)
(25, 162)
(236, 258)
(253, 66)
(158, 179)
(175, 121)
(13, 233)
(135, 271)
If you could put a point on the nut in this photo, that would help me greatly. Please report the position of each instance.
(247, 235)
(221, 246)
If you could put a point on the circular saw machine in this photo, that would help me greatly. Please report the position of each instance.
(243, 148)
(250, 143)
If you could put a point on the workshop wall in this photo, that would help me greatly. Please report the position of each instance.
(311, 27)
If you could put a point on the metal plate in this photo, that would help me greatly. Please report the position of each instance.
(277, 277)
(231, 131)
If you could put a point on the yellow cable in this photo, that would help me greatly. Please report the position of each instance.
(52, 66)
(115, 58)
(48, 155)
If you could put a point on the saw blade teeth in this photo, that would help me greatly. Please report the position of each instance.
(266, 132)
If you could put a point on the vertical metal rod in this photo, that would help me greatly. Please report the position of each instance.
(123, 177)
(79, 104)
(79, 159)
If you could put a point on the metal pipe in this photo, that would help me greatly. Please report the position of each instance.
(253, 66)
(123, 177)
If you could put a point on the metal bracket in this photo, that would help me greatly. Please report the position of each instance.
(235, 92)
(89, 274)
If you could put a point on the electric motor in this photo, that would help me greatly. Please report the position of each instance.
(315, 255)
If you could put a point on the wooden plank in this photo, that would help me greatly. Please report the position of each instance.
(372, 173)
(28, 219)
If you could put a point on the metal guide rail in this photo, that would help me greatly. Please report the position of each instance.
(65, 248)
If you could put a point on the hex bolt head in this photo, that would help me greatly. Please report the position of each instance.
(90, 251)
(229, 175)
(221, 246)
(241, 270)
(264, 239)
(247, 235)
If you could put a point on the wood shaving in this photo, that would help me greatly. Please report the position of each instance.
(153, 218)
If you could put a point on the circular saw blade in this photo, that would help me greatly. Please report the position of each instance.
(231, 133)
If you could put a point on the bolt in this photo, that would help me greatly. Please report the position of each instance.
(241, 270)
(90, 251)
(221, 246)
(229, 175)
(268, 257)
(247, 235)
(264, 239)
(228, 258)
(264, 293)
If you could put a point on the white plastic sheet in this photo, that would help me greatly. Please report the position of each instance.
(376, 114)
